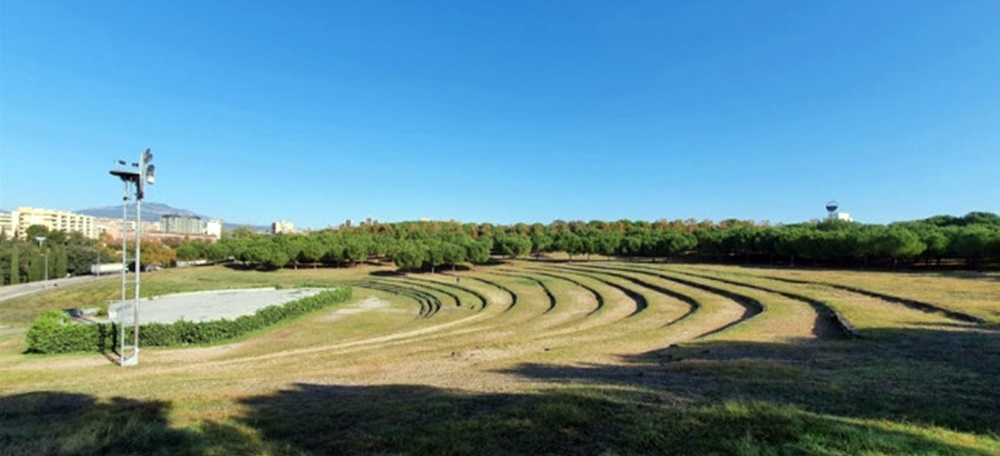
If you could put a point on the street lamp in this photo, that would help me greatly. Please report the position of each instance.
(139, 178)
(41, 240)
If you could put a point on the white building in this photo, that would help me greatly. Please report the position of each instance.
(18, 221)
(214, 228)
(6, 227)
(282, 226)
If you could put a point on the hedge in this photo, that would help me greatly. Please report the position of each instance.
(55, 332)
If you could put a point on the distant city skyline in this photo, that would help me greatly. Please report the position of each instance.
(316, 112)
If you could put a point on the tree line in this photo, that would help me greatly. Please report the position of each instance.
(971, 241)
(25, 260)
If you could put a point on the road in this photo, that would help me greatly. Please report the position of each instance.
(13, 291)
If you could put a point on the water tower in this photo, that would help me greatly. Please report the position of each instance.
(831, 210)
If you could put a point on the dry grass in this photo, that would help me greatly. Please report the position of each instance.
(612, 350)
(964, 291)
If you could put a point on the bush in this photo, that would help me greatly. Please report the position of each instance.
(54, 332)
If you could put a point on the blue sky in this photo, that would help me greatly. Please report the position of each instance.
(506, 111)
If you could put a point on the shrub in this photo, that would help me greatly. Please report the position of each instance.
(54, 332)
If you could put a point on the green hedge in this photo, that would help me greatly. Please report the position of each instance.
(54, 332)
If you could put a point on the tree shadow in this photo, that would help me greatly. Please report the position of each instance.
(653, 414)
(67, 423)
(932, 377)
(443, 269)
(414, 419)
(493, 261)
(989, 274)
(386, 273)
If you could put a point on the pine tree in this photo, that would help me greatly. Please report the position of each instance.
(36, 270)
(15, 267)
(59, 265)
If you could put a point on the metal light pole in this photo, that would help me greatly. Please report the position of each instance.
(121, 307)
(129, 354)
(41, 240)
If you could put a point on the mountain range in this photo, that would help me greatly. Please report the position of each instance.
(152, 211)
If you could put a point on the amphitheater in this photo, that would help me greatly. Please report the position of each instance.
(546, 357)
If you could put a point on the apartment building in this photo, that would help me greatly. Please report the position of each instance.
(182, 224)
(6, 225)
(18, 221)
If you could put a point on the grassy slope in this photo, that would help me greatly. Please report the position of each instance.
(527, 378)
(975, 293)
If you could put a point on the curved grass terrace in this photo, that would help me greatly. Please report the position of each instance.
(536, 357)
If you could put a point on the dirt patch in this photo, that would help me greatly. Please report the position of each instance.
(479, 354)
(366, 305)
(6, 330)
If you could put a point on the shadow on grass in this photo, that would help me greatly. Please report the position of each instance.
(393, 273)
(930, 377)
(239, 266)
(404, 419)
(990, 273)
(413, 419)
(441, 270)
(709, 397)
(44, 423)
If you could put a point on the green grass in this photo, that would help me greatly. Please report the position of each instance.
(529, 380)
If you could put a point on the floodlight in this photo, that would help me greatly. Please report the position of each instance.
(127, 176)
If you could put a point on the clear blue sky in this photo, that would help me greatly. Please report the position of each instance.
(506, 111)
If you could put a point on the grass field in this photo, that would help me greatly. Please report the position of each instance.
(531, 357)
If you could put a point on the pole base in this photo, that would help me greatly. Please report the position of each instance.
(129, 360)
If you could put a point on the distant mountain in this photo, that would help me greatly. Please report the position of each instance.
(151, 212)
